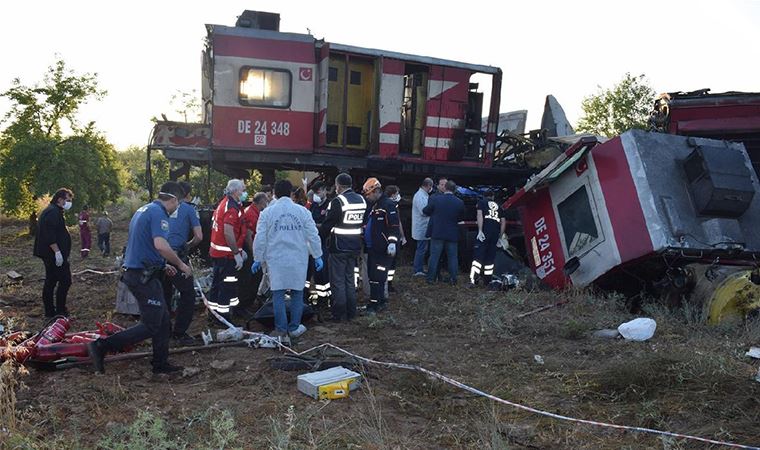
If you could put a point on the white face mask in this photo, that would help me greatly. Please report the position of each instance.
(67, 205)
(396, 198)
(317, 199)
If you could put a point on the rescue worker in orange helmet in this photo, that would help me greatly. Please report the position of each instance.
(381, 236)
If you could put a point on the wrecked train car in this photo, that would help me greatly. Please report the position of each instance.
(647, 212)
(275, 100)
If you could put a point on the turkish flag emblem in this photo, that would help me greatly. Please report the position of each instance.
(304, 74)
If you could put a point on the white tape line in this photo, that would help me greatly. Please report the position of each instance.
(473, 390)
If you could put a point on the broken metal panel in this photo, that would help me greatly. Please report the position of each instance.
(664, 192)
(628, 201)
(554, 120)
(512, 122)
(181, 134)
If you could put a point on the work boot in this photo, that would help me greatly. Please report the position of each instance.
(281, 337)
(97, 351)
(183, 340)
(166, 368)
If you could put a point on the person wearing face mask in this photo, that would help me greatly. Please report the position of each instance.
(381, 231)
(420, 226)
(285, 237)
(393, 193)
(148, 256)
(185, 222)
(342, 228)
(52, 244)
(226, 250)
(320, 292)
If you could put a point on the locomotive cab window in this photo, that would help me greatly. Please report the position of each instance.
(265, 87)
(579, 225)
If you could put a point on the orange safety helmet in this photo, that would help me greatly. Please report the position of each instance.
(370, 185)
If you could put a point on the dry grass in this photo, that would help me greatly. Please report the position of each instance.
(688, 378)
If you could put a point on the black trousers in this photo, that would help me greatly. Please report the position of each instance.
(224, 287)
(483, 258)
(186, 304)
(342, 285)
(154, 318)
(55, 276)
(377, 267)
(104, 243)
(318, 283)
(248, 285)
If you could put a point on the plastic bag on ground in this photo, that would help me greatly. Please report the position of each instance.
(640, 329)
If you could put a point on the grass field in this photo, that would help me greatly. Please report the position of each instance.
(689, 378)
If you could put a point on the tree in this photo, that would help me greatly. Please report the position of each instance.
(133, 160)
(187, 105)
(611, 112)
(37, 156)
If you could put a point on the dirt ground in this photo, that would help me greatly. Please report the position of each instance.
(689, 378)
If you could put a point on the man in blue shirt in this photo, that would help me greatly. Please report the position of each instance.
(446, 212)
(182, 223)
(144, 264)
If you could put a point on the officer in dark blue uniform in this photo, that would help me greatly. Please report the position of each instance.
(144, 264)
(182, 223)
(320, 292)
(380, 239)
(484, 249)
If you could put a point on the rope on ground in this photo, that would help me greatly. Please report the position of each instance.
(96, 272)
(460, 385)
(476, 391)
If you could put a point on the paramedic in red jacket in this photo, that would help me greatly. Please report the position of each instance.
(226, 250)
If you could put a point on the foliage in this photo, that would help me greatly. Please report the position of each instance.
(37, 157)
(133, 160)
(40, 109)
(187, 105)
(149, 430)
(613, 111)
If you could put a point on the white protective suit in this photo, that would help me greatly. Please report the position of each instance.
(285, 236)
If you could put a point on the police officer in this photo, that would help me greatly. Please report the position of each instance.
(145, 261)
(182, 223)
(380, 239)
(343, 228)
(484, 249)
(226, 251)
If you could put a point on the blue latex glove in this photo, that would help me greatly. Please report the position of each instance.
(255, 267)
(319, 264)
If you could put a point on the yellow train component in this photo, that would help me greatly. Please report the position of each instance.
(351, 93)
(733, 298)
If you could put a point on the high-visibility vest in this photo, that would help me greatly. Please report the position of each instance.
(346, 235)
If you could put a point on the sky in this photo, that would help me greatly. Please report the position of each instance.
(144, 52)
